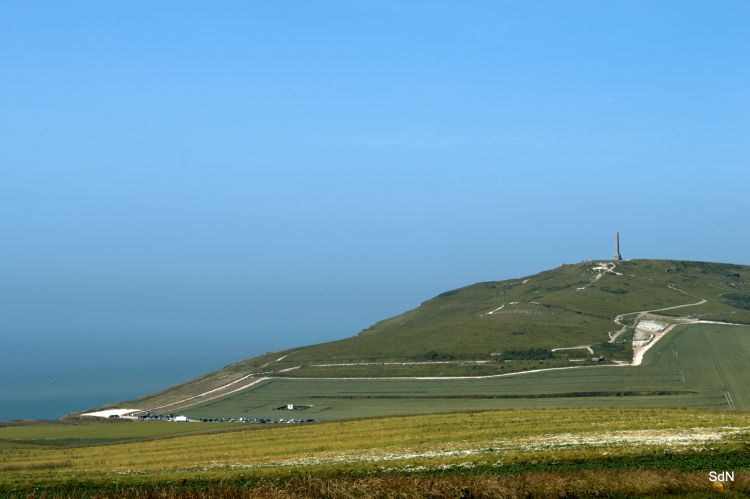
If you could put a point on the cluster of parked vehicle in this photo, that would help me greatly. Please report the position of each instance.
(180, 418)
(256, 420)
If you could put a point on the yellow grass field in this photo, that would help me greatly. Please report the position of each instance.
(484, 443)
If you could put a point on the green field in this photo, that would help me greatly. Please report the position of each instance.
(597, 444)
(96, 432)
(693, 366)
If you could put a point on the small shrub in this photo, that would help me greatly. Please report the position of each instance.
(530, 354)
(736, 300)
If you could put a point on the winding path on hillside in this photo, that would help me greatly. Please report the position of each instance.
(618, 320)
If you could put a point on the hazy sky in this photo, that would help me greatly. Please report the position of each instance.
(271, 174)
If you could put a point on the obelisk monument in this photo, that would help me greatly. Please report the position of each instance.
(617, 255)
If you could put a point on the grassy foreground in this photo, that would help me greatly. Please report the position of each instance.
(506, 453)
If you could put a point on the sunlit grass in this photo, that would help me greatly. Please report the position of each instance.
(500, 441)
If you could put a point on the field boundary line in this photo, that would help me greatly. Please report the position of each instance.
(488, 376)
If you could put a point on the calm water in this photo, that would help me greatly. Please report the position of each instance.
(47, 378)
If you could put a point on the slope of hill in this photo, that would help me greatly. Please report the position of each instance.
(569, 306)
(697, 365)
(580, 314)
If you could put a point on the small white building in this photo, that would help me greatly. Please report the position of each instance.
(290, 407)
(181, 419)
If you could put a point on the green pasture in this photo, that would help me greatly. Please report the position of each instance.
(694, 366)
(455, 368)
(94, 432)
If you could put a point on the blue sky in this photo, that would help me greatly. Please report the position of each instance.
(280, 173)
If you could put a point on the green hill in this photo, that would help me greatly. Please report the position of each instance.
(566, 307)
(574, 315)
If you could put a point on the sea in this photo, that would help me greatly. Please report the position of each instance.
(50, 376)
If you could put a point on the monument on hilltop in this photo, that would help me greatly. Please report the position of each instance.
(617, 255)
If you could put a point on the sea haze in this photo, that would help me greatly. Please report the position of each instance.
(47, 378)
